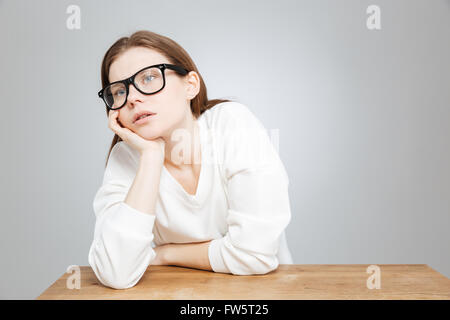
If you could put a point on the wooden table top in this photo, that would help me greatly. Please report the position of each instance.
(288, 282)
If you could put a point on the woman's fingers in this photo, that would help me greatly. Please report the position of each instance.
(114, 125)
(132, 138)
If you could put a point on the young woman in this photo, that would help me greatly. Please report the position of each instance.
(189, 181)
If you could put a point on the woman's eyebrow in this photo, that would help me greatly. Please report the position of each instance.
(119, 79)
(154, 64)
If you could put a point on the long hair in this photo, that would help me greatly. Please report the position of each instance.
(172, 51)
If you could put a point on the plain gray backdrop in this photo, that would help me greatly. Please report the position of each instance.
(363, 117)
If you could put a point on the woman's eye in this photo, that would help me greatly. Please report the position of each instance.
(119, 93)
(148, 78)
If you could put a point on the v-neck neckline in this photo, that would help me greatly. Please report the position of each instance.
(168, 179)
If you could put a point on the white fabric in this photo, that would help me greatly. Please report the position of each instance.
(241, 203)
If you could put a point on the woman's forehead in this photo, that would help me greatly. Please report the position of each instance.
(133, 60)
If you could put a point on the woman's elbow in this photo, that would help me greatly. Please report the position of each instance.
(117, 283)
(267, 266)
(111, 276)
(257, 266)
(113, 281)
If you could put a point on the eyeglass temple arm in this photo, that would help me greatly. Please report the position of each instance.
(176, 68)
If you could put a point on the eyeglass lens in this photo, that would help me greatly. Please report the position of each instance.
(148, 81)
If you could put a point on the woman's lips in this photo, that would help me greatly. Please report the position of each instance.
(145, 119)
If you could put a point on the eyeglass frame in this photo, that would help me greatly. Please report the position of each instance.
(130, 80)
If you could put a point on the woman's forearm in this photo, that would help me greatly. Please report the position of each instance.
(143, 195)
(190, 255)
(143, 192)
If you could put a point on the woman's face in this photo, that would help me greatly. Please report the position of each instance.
(171, 105)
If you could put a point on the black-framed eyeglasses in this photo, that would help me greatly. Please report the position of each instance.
(148, 80)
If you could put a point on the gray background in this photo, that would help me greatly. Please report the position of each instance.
(363, 116)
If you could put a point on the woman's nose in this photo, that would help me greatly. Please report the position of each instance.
(134, 95)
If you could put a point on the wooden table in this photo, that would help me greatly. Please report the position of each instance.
(288, 282)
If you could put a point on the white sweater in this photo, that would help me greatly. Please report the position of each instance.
(241, 203)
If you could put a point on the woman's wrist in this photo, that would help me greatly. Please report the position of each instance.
(191, 255)
(166, 254)
(151, 158)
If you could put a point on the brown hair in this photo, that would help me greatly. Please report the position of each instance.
(174, 53)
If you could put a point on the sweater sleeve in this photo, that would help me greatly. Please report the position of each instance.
(122, 246)
(257, 186)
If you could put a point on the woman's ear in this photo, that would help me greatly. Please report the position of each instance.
(193, 84)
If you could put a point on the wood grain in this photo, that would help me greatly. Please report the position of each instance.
(288, 282)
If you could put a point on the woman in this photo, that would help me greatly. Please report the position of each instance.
(189, 181)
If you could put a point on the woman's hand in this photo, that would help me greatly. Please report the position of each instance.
(133, 139)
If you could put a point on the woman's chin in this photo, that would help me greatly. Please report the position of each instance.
(149, 134)
(145, 130)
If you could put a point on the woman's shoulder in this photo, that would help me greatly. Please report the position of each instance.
(240, 137)
(229, 114)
